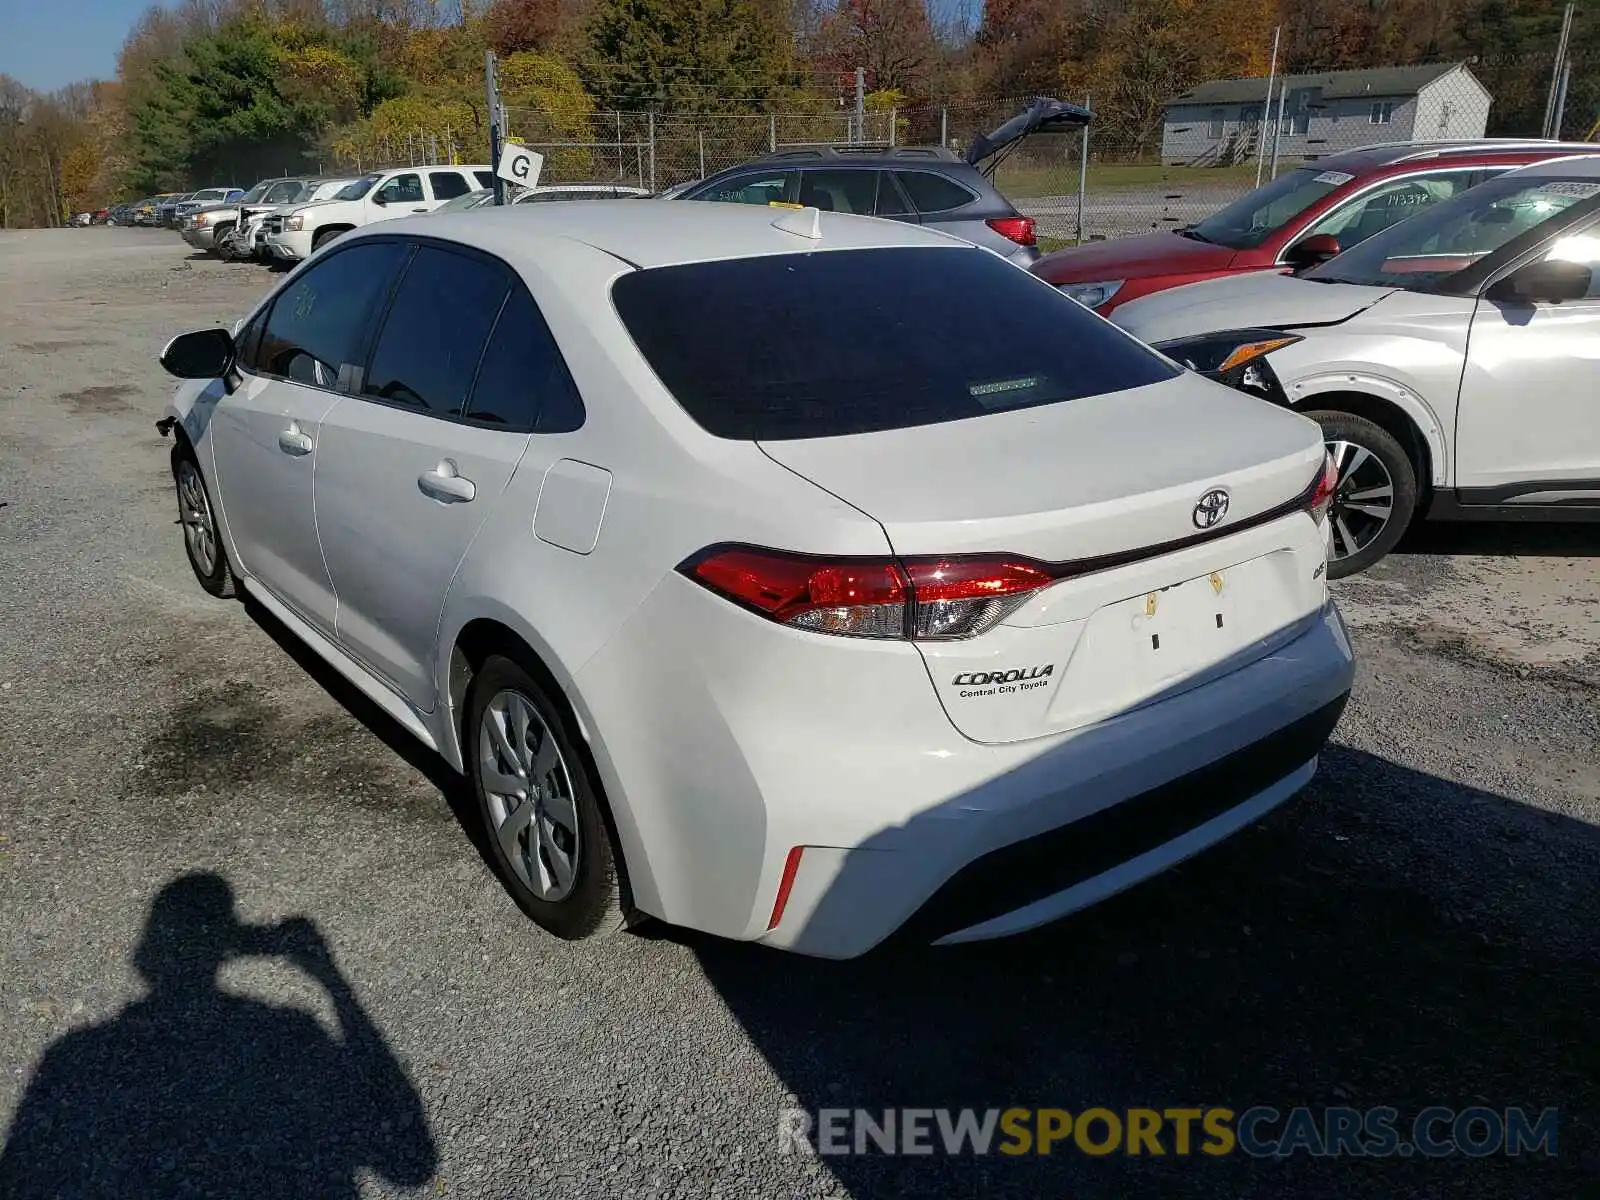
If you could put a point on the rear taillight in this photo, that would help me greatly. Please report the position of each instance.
(1323, 490)
(921, 599)
(1017, 229)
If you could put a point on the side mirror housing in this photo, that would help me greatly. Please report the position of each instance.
(1311, 251)
(379, 200)
(1550, 282)
(203, 354)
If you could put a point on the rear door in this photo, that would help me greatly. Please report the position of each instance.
(446, 185)
(409, 470)
(266, 435)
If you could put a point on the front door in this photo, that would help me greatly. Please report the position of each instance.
(265, 435)
(398, 196)
(406, 476)
(1528, 424)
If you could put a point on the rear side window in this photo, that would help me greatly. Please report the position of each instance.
(932, 193)
(840, 191)
(428, 352)
(318, 323)
(484, 178)
(855, 341)
(447, 185)
(523, 383)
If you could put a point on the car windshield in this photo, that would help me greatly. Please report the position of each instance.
(824, 345)
(358, 189)
(1256, 216)
(255, 193)
(1423, 253)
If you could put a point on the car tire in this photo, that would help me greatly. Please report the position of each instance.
(1377, 493)
(323, 237)
(202, 536)
(560, 814)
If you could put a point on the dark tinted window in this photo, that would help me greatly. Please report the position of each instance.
(933, 193)
(890, 202)
(819, 345)
(523, 382)
(435, 332)
(447, 185)
(317, 322)
(484, 178)
(840, 191)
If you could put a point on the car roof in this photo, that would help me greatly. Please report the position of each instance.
(863, 155)
(663, 234)
(1389, 154)
(1583, 166)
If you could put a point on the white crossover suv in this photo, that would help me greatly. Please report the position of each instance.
(1450, 359)
(380, 196)
(749, 597)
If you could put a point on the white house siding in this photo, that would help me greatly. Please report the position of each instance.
(1453, 107)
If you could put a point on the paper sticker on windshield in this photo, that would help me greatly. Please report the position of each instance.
(1578, 191)
(1337, 178)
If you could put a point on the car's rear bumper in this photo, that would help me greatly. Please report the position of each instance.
(781, 754)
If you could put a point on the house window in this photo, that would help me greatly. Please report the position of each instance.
(1382, 112)
(1215, 128)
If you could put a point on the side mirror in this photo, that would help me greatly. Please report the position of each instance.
(379, 199)
(1551, 282)
(1311, 251)
(204, 354)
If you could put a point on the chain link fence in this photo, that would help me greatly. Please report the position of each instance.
(1152, 159)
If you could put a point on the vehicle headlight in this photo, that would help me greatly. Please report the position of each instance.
(200, 219)
(293, 224)
(1236, 357)
(1092, 295)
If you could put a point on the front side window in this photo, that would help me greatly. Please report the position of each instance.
(1445, 240)
(1257, 215)
(317, 323)
(428, 352)
(447, 185)
(771, 188)
(840, 191)
(1582, 246)
(402, 189)
(358, 188)
(1376, 210)
(828, 344)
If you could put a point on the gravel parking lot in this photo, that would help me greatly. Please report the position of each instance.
(1419, 928)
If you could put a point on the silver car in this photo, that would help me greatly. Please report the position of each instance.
(1448, 359)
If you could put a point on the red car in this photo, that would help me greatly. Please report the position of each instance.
(1301, 218)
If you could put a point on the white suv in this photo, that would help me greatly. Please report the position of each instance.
(380, 196)
(741, 617)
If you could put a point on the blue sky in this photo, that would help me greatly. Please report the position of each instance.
(49, 43)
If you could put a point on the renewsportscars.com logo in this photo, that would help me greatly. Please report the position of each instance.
(1260, 1131)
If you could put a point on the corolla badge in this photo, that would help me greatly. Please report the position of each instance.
(1210, 508)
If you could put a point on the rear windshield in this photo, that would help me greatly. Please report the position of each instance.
(856, 341)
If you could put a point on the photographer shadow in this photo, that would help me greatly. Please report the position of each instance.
(196, 1091)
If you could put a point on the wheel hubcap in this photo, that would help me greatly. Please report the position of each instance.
(530, 797)
(194, 510)
(1363, 502)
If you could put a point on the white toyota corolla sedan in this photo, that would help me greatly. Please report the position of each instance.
(793, 576)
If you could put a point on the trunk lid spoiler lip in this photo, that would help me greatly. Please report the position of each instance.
(1044, 114)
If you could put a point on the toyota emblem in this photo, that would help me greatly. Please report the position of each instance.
(1210, 508)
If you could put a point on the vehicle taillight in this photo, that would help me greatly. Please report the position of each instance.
(922, 599)
(1323, 490)
(1018, 229)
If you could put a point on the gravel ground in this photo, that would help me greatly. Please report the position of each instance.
(1418, 928)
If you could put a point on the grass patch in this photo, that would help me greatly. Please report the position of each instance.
(1027, 179)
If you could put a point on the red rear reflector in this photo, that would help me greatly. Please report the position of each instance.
(921, 598)
(791, 867)
(1018, 229)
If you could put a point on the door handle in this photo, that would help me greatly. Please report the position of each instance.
(444, 484)
(292, 441)
(419, 210)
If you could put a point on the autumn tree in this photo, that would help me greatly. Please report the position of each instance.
(513, 25)
(892, 39)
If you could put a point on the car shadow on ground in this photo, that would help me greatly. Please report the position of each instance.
(1572, 539)
(1390, 938)
(196, 1090)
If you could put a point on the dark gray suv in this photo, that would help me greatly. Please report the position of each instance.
(921, 184)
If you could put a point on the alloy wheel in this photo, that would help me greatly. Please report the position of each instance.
(530, 797)
(194, 511)
(1363, 501)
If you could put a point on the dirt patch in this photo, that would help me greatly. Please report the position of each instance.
(50, 347)
(96, 401)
